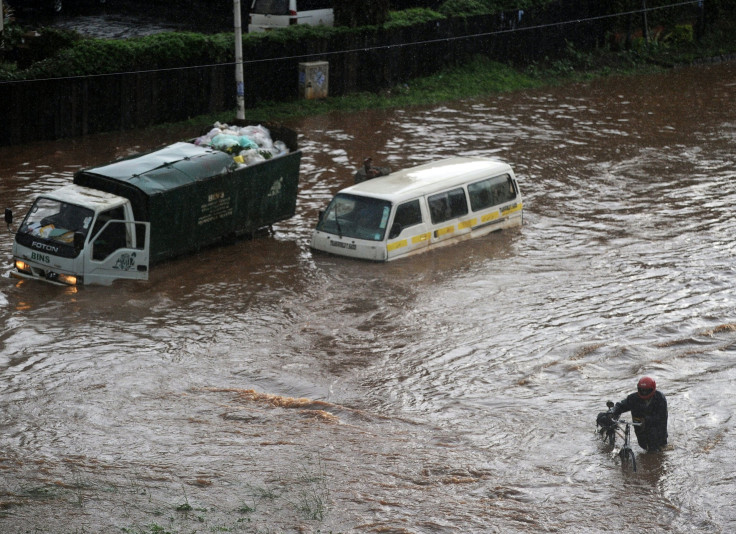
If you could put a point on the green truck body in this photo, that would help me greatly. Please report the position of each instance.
(193, 198)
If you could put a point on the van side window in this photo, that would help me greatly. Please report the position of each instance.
(447, 205)
(491, 192)
(408, 214)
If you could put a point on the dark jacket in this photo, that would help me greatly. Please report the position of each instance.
(653, 434)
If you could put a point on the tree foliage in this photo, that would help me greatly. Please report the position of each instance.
(355, 13)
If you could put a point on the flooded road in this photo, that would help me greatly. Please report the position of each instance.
(259, 387)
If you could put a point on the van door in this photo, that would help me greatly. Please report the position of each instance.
(119, 249)
(408, 231)
(448, 212)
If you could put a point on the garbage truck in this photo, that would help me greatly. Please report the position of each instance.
(115, 221)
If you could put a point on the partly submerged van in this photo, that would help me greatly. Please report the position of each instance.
(420, 208)
(273, 14)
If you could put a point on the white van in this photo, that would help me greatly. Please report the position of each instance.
(417, 209)
(272, 14)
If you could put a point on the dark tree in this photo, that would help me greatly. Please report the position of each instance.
(354, 13)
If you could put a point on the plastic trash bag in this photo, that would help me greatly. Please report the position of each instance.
(248, 144)
(225, 142)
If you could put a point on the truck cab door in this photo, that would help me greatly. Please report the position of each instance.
(120, 249)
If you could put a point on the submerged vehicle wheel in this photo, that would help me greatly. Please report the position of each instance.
(626, 455)
(633, 459)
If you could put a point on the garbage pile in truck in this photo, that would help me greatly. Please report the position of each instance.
(247, 144)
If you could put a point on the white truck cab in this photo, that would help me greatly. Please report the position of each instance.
(76, 235)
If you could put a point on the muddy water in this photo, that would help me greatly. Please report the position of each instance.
(259, 387)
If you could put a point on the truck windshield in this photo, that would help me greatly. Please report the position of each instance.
(270, 7)
(56, 221)
(356, 216)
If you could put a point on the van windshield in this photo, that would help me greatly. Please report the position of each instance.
(56, 221)
(270, 7)
(356, 216)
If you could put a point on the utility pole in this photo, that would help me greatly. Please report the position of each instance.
(645, 30)
(239, 80)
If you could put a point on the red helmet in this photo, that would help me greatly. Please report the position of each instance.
(646, 388)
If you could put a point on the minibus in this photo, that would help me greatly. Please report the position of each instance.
(417, 209)
(273, 14)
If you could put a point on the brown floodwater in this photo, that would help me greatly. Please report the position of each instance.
(261, 387)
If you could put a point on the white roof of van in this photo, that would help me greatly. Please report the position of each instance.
(430, 177)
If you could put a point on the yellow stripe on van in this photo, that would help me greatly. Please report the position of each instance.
(443, 231)
(397, 244)
(467, 224)
(512, 208)
(421, 237)
(489, 217)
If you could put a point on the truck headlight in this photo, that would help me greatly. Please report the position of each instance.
(22, 266)
(67, 279)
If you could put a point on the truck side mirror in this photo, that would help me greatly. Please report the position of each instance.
(8, 216)
(320, 215)
(78, 241)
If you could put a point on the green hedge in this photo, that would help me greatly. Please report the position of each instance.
(89, 56)
(487, 7)
(101, 56)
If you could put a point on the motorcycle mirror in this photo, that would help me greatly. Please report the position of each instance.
(609, 404)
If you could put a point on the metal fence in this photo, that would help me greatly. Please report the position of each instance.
(358, 61)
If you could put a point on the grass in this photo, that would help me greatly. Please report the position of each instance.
(476, 78)
(314, 493)
(482, 77)
(153, 528)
